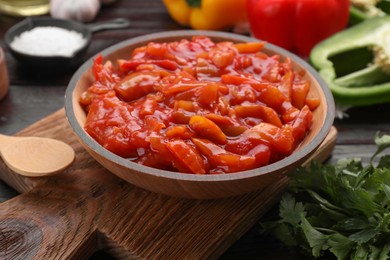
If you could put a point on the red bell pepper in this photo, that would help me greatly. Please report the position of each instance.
(297, 25)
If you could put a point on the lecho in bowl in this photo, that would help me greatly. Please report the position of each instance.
(198, 114)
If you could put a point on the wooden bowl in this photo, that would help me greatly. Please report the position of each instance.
(191, 185)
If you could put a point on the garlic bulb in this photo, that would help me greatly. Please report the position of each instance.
(79, 10)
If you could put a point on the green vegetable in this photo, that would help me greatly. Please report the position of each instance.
(194, 3)
(355, 63)
(343, 209)
(365, 9)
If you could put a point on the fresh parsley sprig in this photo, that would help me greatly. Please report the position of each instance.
(343, 208)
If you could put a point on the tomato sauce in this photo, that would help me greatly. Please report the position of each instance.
(196, 106)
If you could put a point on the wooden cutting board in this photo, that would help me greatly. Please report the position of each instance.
(86, 209)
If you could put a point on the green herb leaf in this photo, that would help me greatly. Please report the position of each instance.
(340, 245)
(290, 211)
(375, 252)
(358, 200)
(316, 239)
(383, 142)
(284, 233)
(364, 236)
(384, 254)
(386, 189)
(361, 252)
(350, 224)
(342, 208)
(384, 162)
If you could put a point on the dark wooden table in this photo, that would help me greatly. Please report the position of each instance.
(34, 95)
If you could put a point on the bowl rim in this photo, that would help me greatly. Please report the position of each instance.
(279, 165)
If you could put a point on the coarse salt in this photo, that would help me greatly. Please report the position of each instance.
(48, 41)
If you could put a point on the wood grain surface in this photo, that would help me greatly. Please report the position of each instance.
(33, 95)
(86, 209)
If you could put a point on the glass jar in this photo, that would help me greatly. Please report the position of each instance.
(24, 7)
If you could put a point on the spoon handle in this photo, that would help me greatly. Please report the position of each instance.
(118, 23)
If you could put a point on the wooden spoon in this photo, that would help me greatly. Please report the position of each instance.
(35, 156)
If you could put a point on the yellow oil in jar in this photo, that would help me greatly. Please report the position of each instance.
(24, 7)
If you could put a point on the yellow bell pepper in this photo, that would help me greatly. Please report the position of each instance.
(209, 15)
